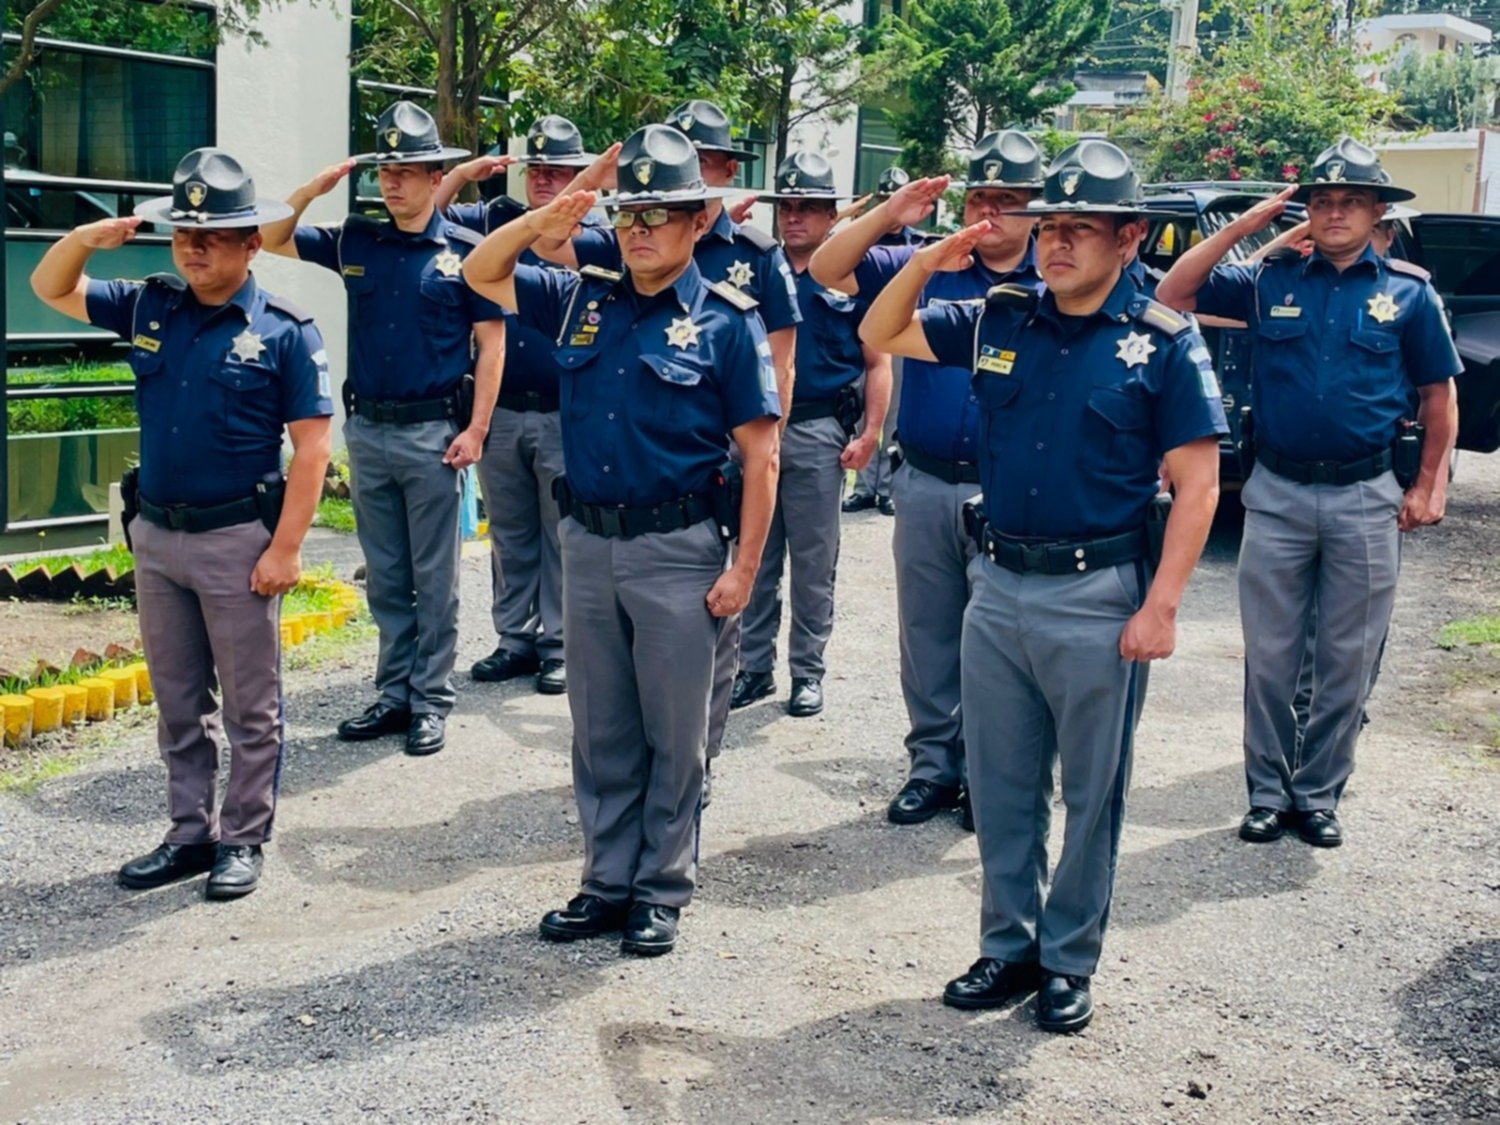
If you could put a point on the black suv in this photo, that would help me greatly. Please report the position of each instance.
(1462, 252)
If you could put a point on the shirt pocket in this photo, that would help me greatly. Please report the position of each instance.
(1000, 399)
(679, 377)
(1122, 418)
(579, 385)
(1376, 340)
(244, 400)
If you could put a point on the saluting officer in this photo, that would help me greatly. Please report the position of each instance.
(939, 444)
(221, 367)
(523, 453)
(1084, 390)
(1349, 349)
(839, 382)
(417, 333)
(872, 484)
(658, 368)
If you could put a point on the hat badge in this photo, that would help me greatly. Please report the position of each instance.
(1335, 171)
(685, 122)
(539, 142)
(643, 169)
(392, 138)
(791, 178)
(992, 169)
(196, 193)
(1070, 182)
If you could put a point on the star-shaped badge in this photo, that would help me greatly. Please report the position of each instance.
(740, 275)
(246, 347)
(683, 333)
(448, 263)
(1135, 349)
(1382, 308)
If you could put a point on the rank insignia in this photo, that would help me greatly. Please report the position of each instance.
(1135, 349)
(147, 344)
(448, 263)
(740, 275)
(196, 193)
(683, 333)
(995, 360)
(246, 347)
(1383, 308)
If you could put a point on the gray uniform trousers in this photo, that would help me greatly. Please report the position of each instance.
(806, 526)
(640, 646)
(875, 478)
(932, 588)
(406, 511)
(1336, 548)
(1044, 682)
(522, 457)
(200, 618)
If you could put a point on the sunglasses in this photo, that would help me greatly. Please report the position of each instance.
(652, 217)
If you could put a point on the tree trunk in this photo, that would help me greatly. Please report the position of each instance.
(447, 78)
(468, 109)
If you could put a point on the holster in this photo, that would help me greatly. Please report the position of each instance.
(1406, 452)
(893, 451)
(849, 408)
(465, 396)
(1156, 527)
(130, 499)
(728, 494)
(270, 495)
(1246, 446)
(974, 521)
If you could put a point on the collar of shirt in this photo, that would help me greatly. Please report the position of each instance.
(432, 232)
(246, 298)
(723, 226)
(686, 292)
(1116, 305)
(1367, 259)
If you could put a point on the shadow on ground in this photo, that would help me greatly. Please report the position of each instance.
(1452, 1014)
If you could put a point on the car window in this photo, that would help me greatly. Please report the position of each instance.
(1462, 255)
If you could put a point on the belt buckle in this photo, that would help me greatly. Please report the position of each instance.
(1323, 472)
(177, 517)
(611, 522)
(384, 411)
(1033, 557)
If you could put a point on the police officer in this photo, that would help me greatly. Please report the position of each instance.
(658, 369)
(1084, 389)
(221, 367)
(939, 442)
(872, 484)
(523, 453)
(839, 382)
(417, 333)
(1348, 348)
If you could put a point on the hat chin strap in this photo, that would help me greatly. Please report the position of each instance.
(209, 216)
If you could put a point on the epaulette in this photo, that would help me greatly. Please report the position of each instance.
(507, 208)
(355, 220)
(599, 273)
(170, 280)
(736, 297)
(1411, 269)
(1158, 316)
(1011, 295)
(1285, 254)
(464, 234)
(755, 237)
(281, 304)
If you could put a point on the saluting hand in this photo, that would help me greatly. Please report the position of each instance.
(854, 210)
(731, 593)
(560, 218)
(739, 214)
(324, 181)
(108, 234)
(1149, 635)
(483, 167)
(1265, 212)
(600, 175)
(956, 252)
(912, 202)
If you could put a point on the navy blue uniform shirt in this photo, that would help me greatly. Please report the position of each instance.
(906, 236)
(829, 357)
(743, 256)
(939, 410)
(411, 315)
(1338, 356)
(1078, 411)
(651, 386)
(214, 385)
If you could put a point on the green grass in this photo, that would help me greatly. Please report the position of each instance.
(17, 685)
(117, 555)
(335, 514)
(54, 415)
(32, 770)
(1470, 631)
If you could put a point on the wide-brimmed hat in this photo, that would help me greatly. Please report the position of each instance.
(805, 175)
(892, 180)
(1092, 177)
(1347, 163)
(210, 190)
(658, 164)
(556, 141)
(407, 134)
(707, 127)
(1004, 159)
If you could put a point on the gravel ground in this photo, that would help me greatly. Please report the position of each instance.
(388, 968)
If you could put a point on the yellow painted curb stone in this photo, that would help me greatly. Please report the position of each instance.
(293, 629)
(101, 703)
(123, 681)
(318, 622)
(143, 690)
(47, 713)
(17, 711)
(75, 703)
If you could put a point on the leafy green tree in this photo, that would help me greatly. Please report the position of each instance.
(1445, 91)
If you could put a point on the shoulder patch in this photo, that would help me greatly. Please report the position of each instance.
(1012, 295)
(463, 234)
(1160, 317)
(1411, 269)
(169, 280)
(504, 209)
(354, 221)
(599, 273)
(755, 237)
(282, 305)
(736, 297)
(1285, 254)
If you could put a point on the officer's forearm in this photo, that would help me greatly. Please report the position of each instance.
(833, 264)
(1179, 289)
(891, 325)
(59, 275)
(448, 190)
(1195, 476)
(277, 236)
(491, 269)
(878, 382)
(759, 444)
(783, 358)
(312, 445)
(1438, 413)
(487, 371)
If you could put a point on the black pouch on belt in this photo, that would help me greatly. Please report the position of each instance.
(1156, 527)
(974, 521)
(1406, 452)
(270, 493)
(893, 451)
(849, 408)
(465, 396)
(728, 494)
(130, 500)
(1245, 447)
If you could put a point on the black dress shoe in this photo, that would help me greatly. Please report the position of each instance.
(1064, 1003)
(919, 801)
(965, 811)
(167, 864)
(750, 686)
(1320, 828)
(650, 930)
(502, 664)
(552, 679)
(859, 502)
(585, 916)
(427, 735)
(1262, 825)
(378, 720)
(236, 871)
(807, 697)
(886, 505)
(990, 982)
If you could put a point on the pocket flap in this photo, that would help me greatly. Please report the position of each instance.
(1375, 340)
(240, 376)
(674, 369)
(1283, 328)
(1122, 409)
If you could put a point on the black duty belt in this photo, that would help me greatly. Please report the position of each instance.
(186, 517)
(528, 402)
(1325, 472)
(809, 411)
(954, 472)
(1062, 556)
(407, 413)
(626, 523)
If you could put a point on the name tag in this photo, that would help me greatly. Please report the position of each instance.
(581, 339)
(1283, 311)
(993, 359)
(354, 271)
(147, 344)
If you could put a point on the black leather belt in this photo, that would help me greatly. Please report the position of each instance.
(1325, 472)
(626, 523)
(1063, 556)
(185, 517)
(532, 402)
(406, 413)
(954, 472)
(809, 411)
